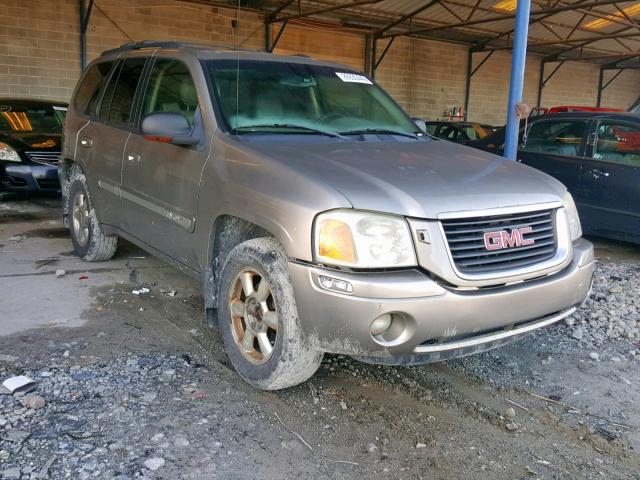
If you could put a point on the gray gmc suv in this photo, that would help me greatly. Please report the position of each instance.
(317, 215)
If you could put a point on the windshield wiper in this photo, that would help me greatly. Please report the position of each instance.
(384, 131)
(289, 125)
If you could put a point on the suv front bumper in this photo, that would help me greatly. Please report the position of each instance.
(435, 322)
(29, 177)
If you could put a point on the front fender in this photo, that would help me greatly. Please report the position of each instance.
(239, 182)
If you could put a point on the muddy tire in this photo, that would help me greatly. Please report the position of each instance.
(259, 320)
(89, 243)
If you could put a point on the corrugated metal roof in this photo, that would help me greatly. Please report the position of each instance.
(550, 33)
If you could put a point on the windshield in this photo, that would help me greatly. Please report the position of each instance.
(265, 96)
(31, 118)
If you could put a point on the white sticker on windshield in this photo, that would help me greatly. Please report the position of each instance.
(353, 78)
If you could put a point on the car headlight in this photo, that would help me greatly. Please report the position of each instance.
(363, 240)
(572, 215)
(8, 154)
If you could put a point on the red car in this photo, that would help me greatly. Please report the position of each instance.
(571, 108)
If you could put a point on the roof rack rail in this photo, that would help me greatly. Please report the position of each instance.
(171, 44)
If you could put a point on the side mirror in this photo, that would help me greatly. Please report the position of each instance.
(421, 124)
(168, 127)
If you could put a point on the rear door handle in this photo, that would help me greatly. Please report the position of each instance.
(86, 142)
(599, 173)
(133, 157)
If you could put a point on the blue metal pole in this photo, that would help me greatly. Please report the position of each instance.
(519, 57)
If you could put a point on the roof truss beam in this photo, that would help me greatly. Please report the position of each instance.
(497, 18)
(482, 62)
(377, 62)
(546, 79)
(408, 16)
(274, 44)
(613, 77)
(319, 11)
(581, 41)
(451, 12)
(275, 13)
(617, 58)
(586, 7)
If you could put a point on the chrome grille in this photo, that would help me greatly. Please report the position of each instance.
(44, 157)
(465, 237)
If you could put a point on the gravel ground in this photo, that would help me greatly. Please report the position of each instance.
(611, 312)
(142, 389)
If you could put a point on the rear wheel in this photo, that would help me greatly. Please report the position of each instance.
(259, 318)
(89, 243)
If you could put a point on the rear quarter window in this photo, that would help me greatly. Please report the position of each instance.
(88, 92)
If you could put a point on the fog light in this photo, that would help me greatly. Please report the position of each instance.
(335, 284)
(381, 324)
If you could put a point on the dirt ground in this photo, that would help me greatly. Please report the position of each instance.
(136, 386)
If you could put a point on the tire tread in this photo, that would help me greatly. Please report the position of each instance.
(101, 247)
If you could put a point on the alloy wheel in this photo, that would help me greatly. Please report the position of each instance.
(80, 215)
(254, 322)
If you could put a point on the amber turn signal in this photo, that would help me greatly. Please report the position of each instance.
(335, 241)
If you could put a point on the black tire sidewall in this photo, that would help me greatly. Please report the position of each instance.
(270, 266)
(252, 372)
(77, 186)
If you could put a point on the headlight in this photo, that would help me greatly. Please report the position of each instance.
(8, 154)
(572, 215)
(363, 240)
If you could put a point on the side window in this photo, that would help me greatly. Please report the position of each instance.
(448, 132)
(61, 113)
(170, 89)
(431, 129)
(555, 137)
(105, 104)
(89, 90)
(118, 110)
(619, 143)
(468, 133)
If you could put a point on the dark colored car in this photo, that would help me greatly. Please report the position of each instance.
(596, 155)
(458, 132)
(30, 143)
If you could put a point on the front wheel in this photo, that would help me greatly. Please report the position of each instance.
(259, 319)
(89, 243)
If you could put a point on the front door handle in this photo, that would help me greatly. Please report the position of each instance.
(133, 157)
(86, 142)
(597, 173)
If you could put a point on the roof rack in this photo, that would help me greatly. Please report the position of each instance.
(172, 44)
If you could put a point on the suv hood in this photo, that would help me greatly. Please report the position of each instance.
(415, 179)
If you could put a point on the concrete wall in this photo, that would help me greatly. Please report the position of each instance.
(623, 91)
(39, 55)
(38, 51)
(39, 39)
(427, 77)
(341, 47)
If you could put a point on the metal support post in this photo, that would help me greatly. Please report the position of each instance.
(518, 61)
(85, 15)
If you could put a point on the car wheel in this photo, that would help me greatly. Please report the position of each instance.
(89, 243)
(259, 319)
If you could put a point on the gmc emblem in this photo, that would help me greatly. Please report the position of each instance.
(504, 239)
